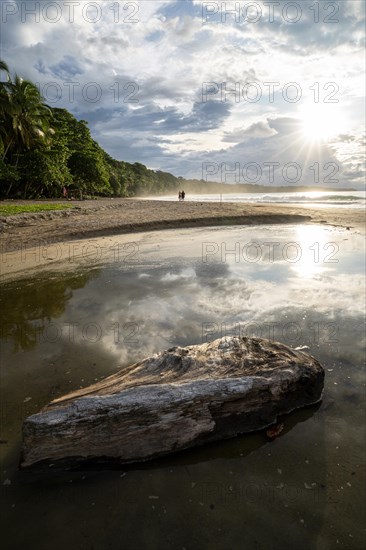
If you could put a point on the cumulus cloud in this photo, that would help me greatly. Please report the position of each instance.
(256, 130)
(137, 74)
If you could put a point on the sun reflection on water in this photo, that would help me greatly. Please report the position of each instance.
(315, 252)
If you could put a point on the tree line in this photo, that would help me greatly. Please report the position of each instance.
(43, 149)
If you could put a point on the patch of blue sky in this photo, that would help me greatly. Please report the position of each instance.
(155, 36)
(181, 8)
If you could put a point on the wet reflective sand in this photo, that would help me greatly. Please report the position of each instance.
(302, 285)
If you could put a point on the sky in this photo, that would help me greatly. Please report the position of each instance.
(266, 92)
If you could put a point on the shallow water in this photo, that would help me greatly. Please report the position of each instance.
(301, 285)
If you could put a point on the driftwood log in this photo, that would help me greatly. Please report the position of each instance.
(173, 400)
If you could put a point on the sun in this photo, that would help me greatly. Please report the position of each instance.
(320, 122)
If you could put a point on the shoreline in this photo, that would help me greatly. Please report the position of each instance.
(35, 242)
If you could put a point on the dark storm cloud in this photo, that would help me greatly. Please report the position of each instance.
(68, 67)
(153, 119)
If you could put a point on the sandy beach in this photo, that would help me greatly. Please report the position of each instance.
(93, 221)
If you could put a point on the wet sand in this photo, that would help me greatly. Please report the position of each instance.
(28, 241)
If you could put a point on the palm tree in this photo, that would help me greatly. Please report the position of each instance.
(29, 117)
(4, 105)
(25, 118)
(4, 67)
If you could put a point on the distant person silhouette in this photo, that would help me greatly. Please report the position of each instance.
(183, 195)
(179, 196)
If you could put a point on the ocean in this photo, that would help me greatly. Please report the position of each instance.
(343, 199)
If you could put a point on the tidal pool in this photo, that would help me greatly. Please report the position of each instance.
(61, 330)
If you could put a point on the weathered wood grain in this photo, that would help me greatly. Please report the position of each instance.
(173, 400)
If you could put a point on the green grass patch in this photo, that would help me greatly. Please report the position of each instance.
(11, 209)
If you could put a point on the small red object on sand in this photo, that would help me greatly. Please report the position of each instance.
(275, 431)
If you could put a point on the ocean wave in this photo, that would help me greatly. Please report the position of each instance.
(334, 199)
(315, 198)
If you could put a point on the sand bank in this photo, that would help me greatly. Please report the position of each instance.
(35, 241)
